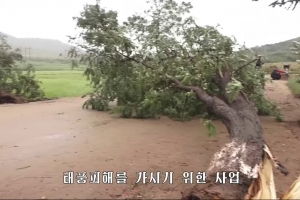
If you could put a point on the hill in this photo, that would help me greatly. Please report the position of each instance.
(39, 47)
(278, 52)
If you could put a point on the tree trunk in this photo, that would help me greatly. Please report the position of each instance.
(244, 154)
(247, 152)
(7, 97)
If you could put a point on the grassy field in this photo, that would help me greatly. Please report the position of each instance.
(294, 86)
(57, 84)
(58, 78)
(295, 67)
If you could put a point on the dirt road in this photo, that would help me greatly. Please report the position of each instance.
(40, 141)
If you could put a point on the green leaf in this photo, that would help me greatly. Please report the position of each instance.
(233, 88)
(211, 129)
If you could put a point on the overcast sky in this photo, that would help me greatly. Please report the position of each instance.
(254, 23)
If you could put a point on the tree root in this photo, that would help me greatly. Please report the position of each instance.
(262, 187)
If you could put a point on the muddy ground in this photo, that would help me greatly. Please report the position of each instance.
(41, 140)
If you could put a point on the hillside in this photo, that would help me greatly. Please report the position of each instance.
(278, 52)
(39, 47)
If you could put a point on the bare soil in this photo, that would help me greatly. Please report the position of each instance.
(41, 140)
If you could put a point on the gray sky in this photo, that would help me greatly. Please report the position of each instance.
(252, 22)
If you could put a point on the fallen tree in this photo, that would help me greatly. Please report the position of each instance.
(163, 63)
(17, 85)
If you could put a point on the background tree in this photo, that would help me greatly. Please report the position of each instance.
(163, 63)
(296, 48)
(17, 85)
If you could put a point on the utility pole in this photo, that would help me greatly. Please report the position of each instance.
(27, 58)
(29, 54)
(25, 54)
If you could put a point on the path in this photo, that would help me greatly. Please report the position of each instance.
(279, 92)
(40, 141)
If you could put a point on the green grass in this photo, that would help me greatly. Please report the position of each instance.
(57, 77)
(57, 84)
(294, 86)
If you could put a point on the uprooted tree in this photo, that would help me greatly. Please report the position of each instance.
(17, 85)
(163, 63)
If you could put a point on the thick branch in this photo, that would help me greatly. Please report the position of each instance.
(202, 95)
(221, 80)
(283, 2)
(245, 65)
(135, 60)
(216, 105)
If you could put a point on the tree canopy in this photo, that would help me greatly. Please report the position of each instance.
(296, 47)
(151, 62)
